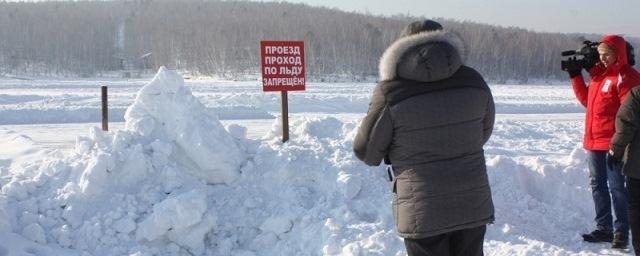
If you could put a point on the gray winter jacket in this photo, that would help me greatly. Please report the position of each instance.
(430, 116)
(626, 140)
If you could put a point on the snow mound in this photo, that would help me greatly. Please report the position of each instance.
(130, 191)
(166, 109)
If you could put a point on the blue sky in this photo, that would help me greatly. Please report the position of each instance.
(566, 16)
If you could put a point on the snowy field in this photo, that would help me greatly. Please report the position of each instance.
(198, 169)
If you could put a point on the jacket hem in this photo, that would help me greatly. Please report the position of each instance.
(421, 235)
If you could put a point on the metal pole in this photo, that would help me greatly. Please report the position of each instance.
(285, 116)
(105, 110)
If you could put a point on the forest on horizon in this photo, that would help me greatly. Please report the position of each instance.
(221, 38)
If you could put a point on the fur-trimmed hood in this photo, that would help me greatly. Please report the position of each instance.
(426, 57)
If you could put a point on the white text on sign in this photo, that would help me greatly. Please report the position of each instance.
(283, 66)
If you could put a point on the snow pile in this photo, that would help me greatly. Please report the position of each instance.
(146, 184)
(317, 198)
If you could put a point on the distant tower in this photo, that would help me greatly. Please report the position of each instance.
(120, 40)
(128, 60)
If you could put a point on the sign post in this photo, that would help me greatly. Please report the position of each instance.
(283, 70)
(105, 109)
(284, 109)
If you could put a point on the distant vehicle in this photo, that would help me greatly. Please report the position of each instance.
(133, 66)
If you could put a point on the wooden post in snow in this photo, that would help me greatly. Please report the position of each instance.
(285, 116)
(105, 110)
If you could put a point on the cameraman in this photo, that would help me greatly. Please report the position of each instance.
(611, 78)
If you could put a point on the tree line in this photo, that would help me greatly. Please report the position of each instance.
(221, 38)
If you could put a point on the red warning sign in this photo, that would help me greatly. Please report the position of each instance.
(282, 65)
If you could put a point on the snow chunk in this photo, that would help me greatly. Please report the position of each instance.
(161, 153)
(237, 131)
(278, 225)
(351, 249)
(34, 232)
(5, 225)
(124, 225)
(349, 184)
(193, 237)
(577, 156)
(96, 174)
(173, 213)
(182, 219)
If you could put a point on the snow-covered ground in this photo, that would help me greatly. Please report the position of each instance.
(200, 170)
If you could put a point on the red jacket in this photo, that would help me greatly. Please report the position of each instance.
(603, 96)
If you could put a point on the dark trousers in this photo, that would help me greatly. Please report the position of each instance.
(607, 188)
(466, 242)
(633, 188)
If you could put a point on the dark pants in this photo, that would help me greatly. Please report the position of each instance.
(466, 242)
(633, 188)
(607, 185)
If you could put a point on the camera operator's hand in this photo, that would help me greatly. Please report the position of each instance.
(613, 161)
(573, 67)
(588, 63)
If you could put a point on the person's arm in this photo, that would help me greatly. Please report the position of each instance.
(627, 123)
(375, 132)
(574, 68)
(580, 89)
(489, 119)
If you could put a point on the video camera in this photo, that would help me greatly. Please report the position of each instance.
(588, 55)
(585, 57)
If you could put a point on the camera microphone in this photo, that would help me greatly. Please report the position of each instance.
(568, 53)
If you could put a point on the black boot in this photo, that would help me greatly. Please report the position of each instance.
(620, 241)
(598, 236)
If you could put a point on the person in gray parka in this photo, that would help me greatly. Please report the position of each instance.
(625, 149)
(429, 117)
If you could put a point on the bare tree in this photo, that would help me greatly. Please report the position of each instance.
(222, 38)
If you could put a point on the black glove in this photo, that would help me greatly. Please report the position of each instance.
(613, 161)
(572, 66)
